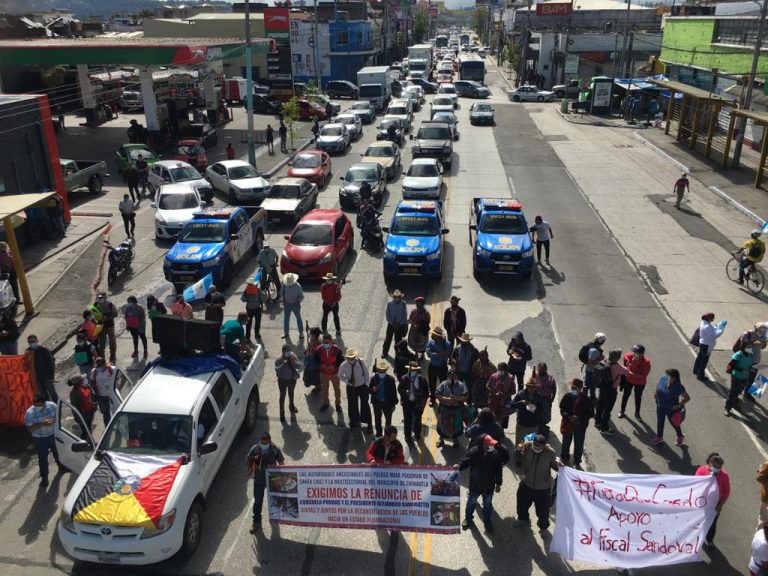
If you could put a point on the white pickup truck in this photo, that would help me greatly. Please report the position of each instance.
(141, 492)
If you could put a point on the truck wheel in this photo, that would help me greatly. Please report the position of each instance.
(95, 184)
(192, 529)
(259, 243)
(516, 98)
(540, 99)
(226, 275)
(251, 411)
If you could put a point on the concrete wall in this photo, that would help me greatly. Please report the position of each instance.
(25, 166)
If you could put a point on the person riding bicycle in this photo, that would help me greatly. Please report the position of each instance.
(267, 259)
(753, 251)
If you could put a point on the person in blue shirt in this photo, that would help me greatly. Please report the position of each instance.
(40, 420)
(670, 398)
(438, 351)
(383, 392)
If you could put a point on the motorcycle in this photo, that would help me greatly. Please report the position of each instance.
(120, 258)
(370, 232)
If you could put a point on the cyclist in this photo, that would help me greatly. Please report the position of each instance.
(753, 251)
(267, 259)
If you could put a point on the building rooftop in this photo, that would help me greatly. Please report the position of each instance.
(584, 5)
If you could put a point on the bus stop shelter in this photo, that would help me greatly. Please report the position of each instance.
(758, 119)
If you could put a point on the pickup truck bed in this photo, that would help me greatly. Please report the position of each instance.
(84, 174)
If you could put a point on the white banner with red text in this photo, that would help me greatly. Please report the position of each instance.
(632, 520)
(404, 498)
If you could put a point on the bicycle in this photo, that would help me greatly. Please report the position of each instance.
(273, 294)
(753, 276)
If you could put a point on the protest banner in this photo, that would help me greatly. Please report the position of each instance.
(402, 498)
(632, 520)
(16, 390)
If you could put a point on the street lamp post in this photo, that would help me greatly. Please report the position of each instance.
(249, 85)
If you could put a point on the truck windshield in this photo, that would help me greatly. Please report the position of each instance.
(311, 235)
(369, 91)
(202, 233)
(178, 201)
(139, 433)
(184, 174)
(503, 224)
(434, 133)
(414, 226)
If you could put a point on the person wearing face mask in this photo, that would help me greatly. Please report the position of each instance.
(454, 320)
(576, 410)
(42, 366)
(383, 395)
(539, 460)
(501, 388)
(714, 467)
(81, 398)
(40, 420)
(485, 477)
(438, 351)
(546, 389)
(756, 339)
(287, 371)
(330, 293)
(84, 353)
(519, 352)
(397, 321)
(481, 372)
(386, 449)
(328, 357)
(485, 423)
(354, 374)
(403, 357)
(91, 329)
(418, 332)
(452, 394)
(214, 305)
(136, 322)
(527, 406)
(463, 358)
(638, 367)
(102, 381)
(414, 392)
(311, 376)
(107, 312)
(260, 456)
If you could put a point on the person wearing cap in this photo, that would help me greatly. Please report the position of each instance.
(708, 335)
(576, 410)
(714, 467)
(330, 293)
(638, 367)
(254, 296)
(539, 460)
(593, 358)
(108, 314)
(454, 320)
(383, 391)
(287, 371)
(353, 373)
(397, 321)
(40, 420)
(438, 351)
(753, 251)
(519, 352)
(481, 372)
(386, 449)
(418, 332)
(329, 357)
(680, 188)
(414, 392)
(546, 389)
(182, 309)
(463, 358)
(291, 296)
(41, 363)
(527, 405)
(82, 399)
(7, 267)
(485, 477)
(500, 389)
(607, 394)
(260, 456)
(452, 394)
(756, 340)
(214, 305)
(268, 260)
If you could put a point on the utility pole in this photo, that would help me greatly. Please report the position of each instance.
(316, 32)
(249, 85)
(624, 57)
(741, 122)
(385, 23)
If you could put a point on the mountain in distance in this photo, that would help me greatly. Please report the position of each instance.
(81, 8)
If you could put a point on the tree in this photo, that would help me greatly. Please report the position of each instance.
(311, 91)
(420, 26)
(290, 111)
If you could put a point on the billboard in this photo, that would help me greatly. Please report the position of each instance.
(277, 25)
(554, 9)
(310, 50)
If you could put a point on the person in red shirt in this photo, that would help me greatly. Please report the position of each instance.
(714, 467)
(681, 187)
(230, 151)
(330, 292)
(638, 367)
(329, 357)
(387, 449)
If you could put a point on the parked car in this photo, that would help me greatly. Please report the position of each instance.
(238, 180)
(265, 104)
(371, 172)
(176, 172)
(481, 113)
(423, 180)
(333, 138)
(129, 154)
(385, 153)
(353, 123)
(314, 165)
(530, 94)
(175, 205)
(471, 89)
(318, 244)
(341, 89)
(191, 152)
(363, 110)
(289, 199)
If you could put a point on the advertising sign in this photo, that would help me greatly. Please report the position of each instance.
(601, 96)
(572, 64)
(310, 50)
(554, 9)
(401, 498)
(277, 25)
(632, 520)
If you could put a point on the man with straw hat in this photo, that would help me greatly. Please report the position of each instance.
(454, 320)
(291, 295)
(353, 373)
(438, 352)
(329, 358)
(464, 357)
(414, 392)
(330, 292)
(383, 395)
(397, 321)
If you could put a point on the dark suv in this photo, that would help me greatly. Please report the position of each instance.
(434, 140)
(341, 89)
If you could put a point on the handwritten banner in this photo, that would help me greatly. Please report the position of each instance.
(402, 498)
(16, 390)
(632, 520)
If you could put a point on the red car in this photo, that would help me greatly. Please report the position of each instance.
(192, 152)
(314, 165)
(309, 111)
(318, 244)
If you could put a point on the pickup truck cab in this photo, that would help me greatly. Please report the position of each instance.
(215, 241)
(84, 174)
(499, 234)
(142, 487)
(569, 90)
(415, 240)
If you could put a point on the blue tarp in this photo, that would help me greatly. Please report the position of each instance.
(194, 365)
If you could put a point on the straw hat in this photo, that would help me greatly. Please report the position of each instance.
(290, 279)
(329, 276)
(454, 299)
(438, 331)
(350, 353)
(414, 366)
(382, 365)
(397, 294)
(465, 337)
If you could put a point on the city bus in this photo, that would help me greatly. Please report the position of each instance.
(471, 67)
(441, 41)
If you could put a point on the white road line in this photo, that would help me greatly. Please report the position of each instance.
(231, 549)
(512, 187)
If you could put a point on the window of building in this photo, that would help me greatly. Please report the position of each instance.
(740, 31)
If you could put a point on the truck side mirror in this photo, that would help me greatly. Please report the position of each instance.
(208, 447)
(82, 446)
(385, 229)
(444, 231)
(473, 227)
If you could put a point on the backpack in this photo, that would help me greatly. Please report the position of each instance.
(755, 251)
(584, 352)
(602, 376)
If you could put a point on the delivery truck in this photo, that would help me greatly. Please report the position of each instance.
(375, 85)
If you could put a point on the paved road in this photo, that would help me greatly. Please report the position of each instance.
(591, 286)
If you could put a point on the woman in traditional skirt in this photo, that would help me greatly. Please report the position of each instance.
(451, 394)
(418, 327)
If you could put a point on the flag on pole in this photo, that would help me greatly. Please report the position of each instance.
(758, 387)
(199, 289)
(764, 228)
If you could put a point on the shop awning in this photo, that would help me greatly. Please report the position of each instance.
(13, 204)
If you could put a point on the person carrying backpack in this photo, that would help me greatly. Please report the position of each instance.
(608, 378)
(590, 355)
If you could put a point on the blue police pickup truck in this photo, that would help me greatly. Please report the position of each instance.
(499, 235)
(215, 241)
(415, 240)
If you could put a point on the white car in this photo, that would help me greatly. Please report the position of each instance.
(450, 119)
(418, 90)
(353, 124)
(333, 138)
(442, 103)
(141, 491)
(449, 90)
(423, 180)
(530, 94)
(402, 109)
(174, 206)
(238, 180)
(174, 172)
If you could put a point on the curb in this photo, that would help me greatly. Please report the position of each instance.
(739, 206)
(288, 158)
(661, 152)
(60, 250)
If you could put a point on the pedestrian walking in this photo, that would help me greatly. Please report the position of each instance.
(396, 316)
(283, 132)
(136, 322)
(9, 335)
(128, 212)
(454, 320)
(484, 423)
(82, 399)
(260, 457)
(590, 355)
(102, 382)
(418, 327)
(738, 367)
(576, 410)
(542, 234)
(539, 460)
(328, 110)
(481, 372)
(214, 302)
(546, 389)
(414, 392)
(291, 296)
(230, 150)
(463, 357)
(386, 449)
(671, 398)
(270, 140)
(316, 129)
(756, 339)
(680, 188)
(638, 367)
(438, 351)
(311, 373)
(519, 352)
(84, 353)
(609, 391)
(707, 336)
(500, 389)
(182, 309)
(131, 177)
(41, 364)
(60, 117)
(526, 404)
(143, 168)
(328, 357)
(485, 478)
(105, 313)
(452, 395)
(287, 371)
(330, 293)
(254, 296)
(7, 268)
(383, 392)
(40, 420)
(713, 466)
(353, 373)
